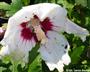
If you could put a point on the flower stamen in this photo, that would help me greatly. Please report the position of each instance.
(35, 23)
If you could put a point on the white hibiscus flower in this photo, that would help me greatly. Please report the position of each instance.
(45, 23)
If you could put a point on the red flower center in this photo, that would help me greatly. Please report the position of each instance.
(27, 32)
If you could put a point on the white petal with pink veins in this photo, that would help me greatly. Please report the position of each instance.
(18, 48)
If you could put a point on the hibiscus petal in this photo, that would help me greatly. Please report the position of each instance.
(18, 48)
(57, 17)
(54, 12)
(55, 50)
(41, 10)
(4, 51)
(66, 59)
(71, 27)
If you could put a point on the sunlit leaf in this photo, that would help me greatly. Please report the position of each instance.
(14, 7)
(4, 6)
(2, 68)
(35, 66)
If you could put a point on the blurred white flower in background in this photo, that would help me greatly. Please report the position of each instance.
(43, 23)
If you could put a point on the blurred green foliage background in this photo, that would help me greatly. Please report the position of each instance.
(78, 11)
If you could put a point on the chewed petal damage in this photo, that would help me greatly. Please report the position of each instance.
(55, 50)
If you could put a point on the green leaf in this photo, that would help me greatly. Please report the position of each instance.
(4, 6)
(81, 2)
(36, 65)
(88, 4)
(52, 1)
(14, 66)
(2, 68)
(14, 7)
(38, 1)
(16, 4)
(75, 55)
(26, 2)
(34, 53)
(41, 1)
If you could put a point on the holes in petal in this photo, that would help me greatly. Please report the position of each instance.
(65, 46)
